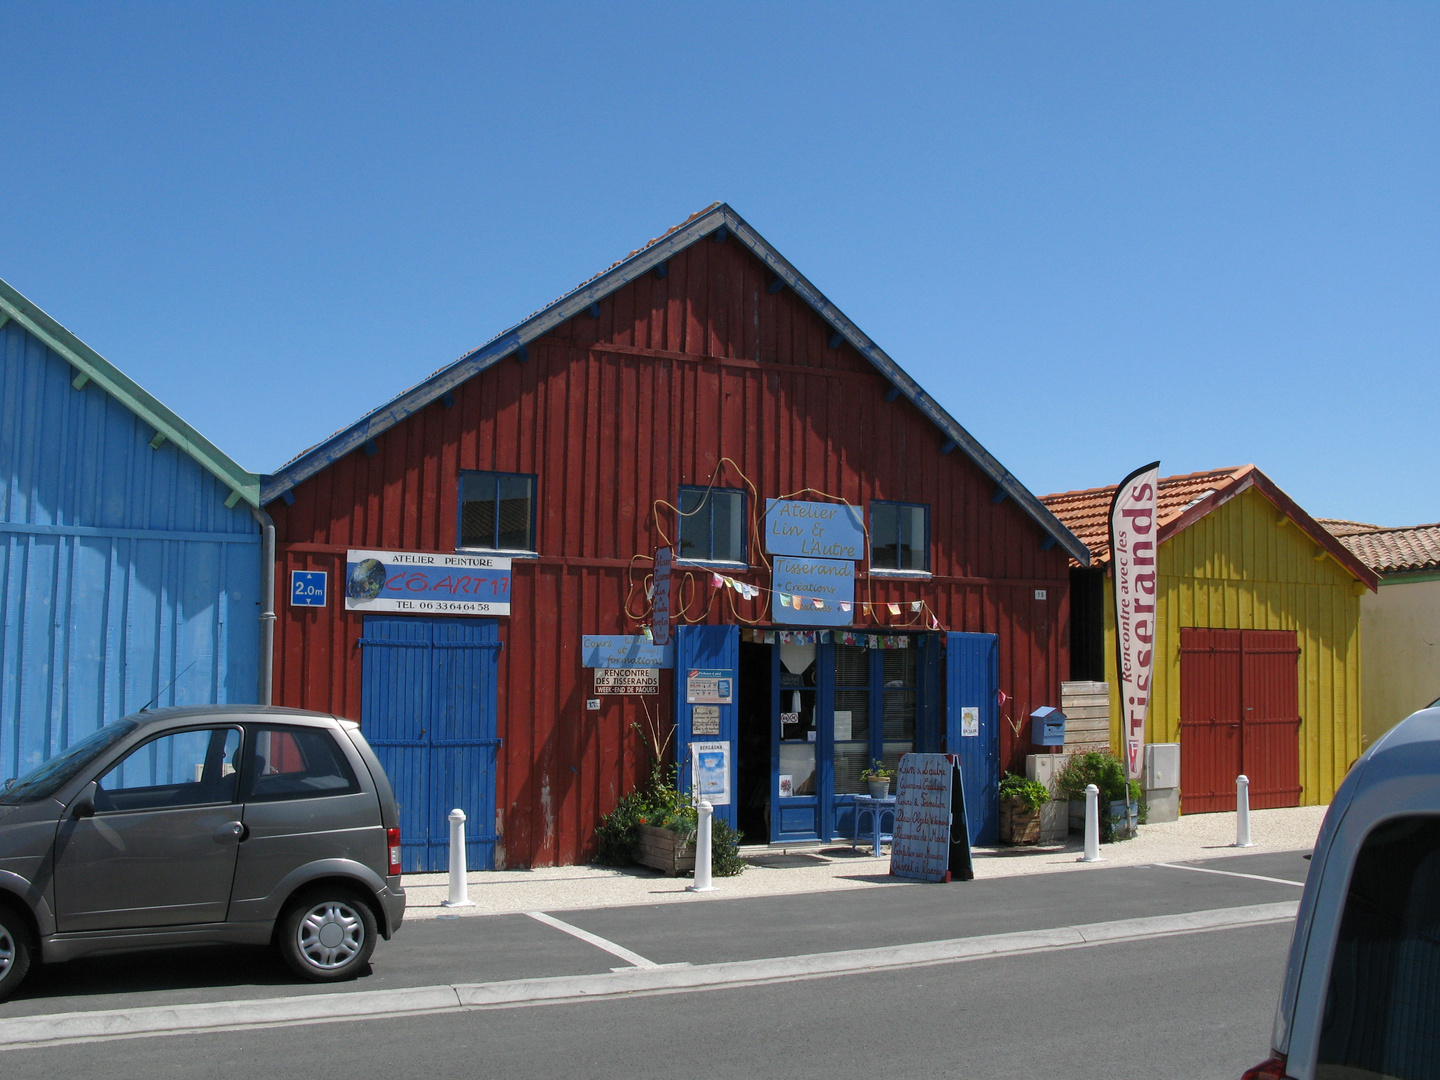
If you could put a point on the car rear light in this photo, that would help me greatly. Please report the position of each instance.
(1269, 1069)
(392, 841)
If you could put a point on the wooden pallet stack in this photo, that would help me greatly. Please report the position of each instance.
(1086, 706)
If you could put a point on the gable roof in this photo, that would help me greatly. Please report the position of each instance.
(716, 218)
(1402, 550)
(91, 365)
(1184, 500)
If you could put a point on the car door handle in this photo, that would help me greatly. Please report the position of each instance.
(230, 832)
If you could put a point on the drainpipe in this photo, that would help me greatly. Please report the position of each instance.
(267, 614)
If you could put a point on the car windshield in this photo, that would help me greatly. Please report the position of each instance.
(44, 780)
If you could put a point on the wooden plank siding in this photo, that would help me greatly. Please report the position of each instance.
(613, 414)
(1238, 568)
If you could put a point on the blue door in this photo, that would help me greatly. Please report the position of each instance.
(972, 677)
(701, 649)
(427, 706)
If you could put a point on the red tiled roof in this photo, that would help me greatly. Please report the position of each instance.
(1341, 527)
(1396, 551)
(1185, 499)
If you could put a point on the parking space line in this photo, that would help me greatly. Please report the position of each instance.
(594, 939)
(1230, 873)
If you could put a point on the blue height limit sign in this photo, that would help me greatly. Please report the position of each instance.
(307, 588)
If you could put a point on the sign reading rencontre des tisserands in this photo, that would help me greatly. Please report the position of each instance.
(1132, 554)
(427, 583)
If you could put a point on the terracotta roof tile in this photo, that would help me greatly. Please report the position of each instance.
(1087, 513)
(1341, 527)
(1397, 551)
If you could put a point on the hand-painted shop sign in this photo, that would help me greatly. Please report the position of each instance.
(711, 686)
(624, 651)
(307, 588)
(813, 530)
(427, 583)
(932, 842)
(813, 592)
(660, 600)
(704, 719)
(627, 680)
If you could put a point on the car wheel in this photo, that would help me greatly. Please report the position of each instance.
(14, 951)
(327, 935)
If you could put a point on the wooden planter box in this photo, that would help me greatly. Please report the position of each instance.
(664, 850)
(1018, 823)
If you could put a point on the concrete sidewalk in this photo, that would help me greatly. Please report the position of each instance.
(820, 868)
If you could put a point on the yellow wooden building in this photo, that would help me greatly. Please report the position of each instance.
(1257, 647)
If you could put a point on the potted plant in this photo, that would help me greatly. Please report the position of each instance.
(1020, 803)
(1119, 799)
(877, 778)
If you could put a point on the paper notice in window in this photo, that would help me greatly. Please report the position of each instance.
(842, 726)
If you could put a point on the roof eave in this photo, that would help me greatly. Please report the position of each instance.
(244, 484)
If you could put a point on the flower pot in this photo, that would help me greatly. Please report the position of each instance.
(879, 789)
(1018, 823)
(661, 849)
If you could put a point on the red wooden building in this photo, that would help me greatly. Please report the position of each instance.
(700, 374)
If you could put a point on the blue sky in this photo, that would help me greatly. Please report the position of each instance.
(1098, 234)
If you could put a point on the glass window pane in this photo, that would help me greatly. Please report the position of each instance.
(851, 759)
(898, 724)
(913, 551)
(477, 510)
(727, 527)
(852, 666)
(694, 524)
(188, 768)
(296, 763)
(1382, 1013)
(515, 516)
(884, 536)
(797, 761)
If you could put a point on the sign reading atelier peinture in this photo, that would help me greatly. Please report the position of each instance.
(427, 583)
(932, 842)
(1132, 553)
(813, 530)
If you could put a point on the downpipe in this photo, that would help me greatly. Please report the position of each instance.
(265, 685)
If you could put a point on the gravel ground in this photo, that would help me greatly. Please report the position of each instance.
(800, 869)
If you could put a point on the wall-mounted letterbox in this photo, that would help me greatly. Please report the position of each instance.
(1047, 726)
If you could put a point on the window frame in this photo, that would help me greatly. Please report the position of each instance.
(708, 492)
(246, 788)
(924, 546)
(117, 762)
(523, 553)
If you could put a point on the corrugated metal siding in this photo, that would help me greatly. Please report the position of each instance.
(617, 412)
(1238, 569)
(120, 567)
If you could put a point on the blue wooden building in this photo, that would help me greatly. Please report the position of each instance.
(130, 553)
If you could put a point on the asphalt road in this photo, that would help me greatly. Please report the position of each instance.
(1187, 1005)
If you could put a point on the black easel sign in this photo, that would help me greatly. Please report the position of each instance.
(932, 841)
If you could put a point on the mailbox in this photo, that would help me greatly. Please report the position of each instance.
(1047, 726)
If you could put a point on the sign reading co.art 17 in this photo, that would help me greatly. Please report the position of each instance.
(427, 583)
(813, 530)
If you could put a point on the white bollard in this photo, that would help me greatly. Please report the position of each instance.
(1092, 824)
(702, 849)
(459, 888)
(1242, 811)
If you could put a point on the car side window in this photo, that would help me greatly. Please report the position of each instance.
(183, 768)
(1382, 1007)
(295, 763)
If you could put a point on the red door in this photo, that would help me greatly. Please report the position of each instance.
(1239, 713)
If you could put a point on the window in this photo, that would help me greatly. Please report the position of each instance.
(899, 536)
(497, 511)
(869, 684)
(185, 768)
(712, 525)
(296, 763)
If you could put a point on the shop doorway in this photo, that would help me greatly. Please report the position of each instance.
(753, 784)
(427, 707)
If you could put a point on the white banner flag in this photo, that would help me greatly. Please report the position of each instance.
(1132, 559)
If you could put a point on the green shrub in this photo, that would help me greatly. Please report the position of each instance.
(661, 804)
(1106, 772)
(1031, 792)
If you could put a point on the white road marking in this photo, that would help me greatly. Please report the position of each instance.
(59, 1029)
(1229, 873)
(594, 939)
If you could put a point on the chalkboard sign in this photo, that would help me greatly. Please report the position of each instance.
(931, 841)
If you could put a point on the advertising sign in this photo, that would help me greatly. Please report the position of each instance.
(627, 680)
(710, 766)
(624, 651)
(660, 599)
(932, 842)
(704, 719)
(426, 583)
(709, 687)
(814, 530)
(307, 588)
(813, 592)
(1132, 555)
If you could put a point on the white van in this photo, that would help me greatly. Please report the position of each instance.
(1361, 999)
